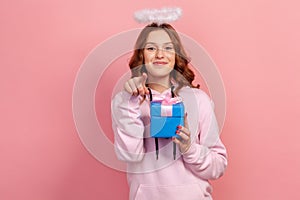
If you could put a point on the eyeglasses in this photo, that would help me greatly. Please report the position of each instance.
(153, 48)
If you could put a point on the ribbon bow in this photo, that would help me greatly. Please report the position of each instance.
(166, 105)
(170, 101)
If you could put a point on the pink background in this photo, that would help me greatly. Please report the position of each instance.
(255, 45)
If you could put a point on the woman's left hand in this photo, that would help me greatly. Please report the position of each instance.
(184, 139)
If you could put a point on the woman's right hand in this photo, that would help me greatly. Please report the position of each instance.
(137, 85)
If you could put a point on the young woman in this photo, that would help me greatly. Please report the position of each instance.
(160, 63)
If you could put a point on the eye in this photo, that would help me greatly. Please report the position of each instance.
(151, 48)
(169, 48)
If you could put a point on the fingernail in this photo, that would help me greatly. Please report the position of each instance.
(179, 127)
(177, 132)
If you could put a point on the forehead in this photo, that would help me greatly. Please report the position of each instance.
(159, 37)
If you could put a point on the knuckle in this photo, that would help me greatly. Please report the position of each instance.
(135, 79)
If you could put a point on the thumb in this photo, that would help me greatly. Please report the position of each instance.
(186, 124)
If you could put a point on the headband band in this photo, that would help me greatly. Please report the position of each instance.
(159, 16)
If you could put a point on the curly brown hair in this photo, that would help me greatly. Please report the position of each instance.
(182, 73)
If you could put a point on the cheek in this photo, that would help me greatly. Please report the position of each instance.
(170, 56)
(147, 57)
(172, 59)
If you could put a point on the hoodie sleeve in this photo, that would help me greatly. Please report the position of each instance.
(207, 157)
(128, 127)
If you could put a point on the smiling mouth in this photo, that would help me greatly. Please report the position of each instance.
(160, 63)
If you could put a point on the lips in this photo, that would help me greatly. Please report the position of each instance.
(160, 63)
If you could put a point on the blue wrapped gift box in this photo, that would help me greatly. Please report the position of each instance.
(165, 119)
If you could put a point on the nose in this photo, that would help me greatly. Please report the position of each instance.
(159, 53)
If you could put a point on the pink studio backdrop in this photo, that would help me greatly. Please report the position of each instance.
(255, 45)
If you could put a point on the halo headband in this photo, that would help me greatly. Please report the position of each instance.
(159, 16)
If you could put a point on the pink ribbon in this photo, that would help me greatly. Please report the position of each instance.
(170, 101)
(167, 105)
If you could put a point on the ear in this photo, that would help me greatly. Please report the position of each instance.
(141, 56)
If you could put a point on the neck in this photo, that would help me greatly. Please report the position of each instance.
(158, 87)
(160, 84)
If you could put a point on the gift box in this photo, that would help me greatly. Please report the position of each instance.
(166, 115)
